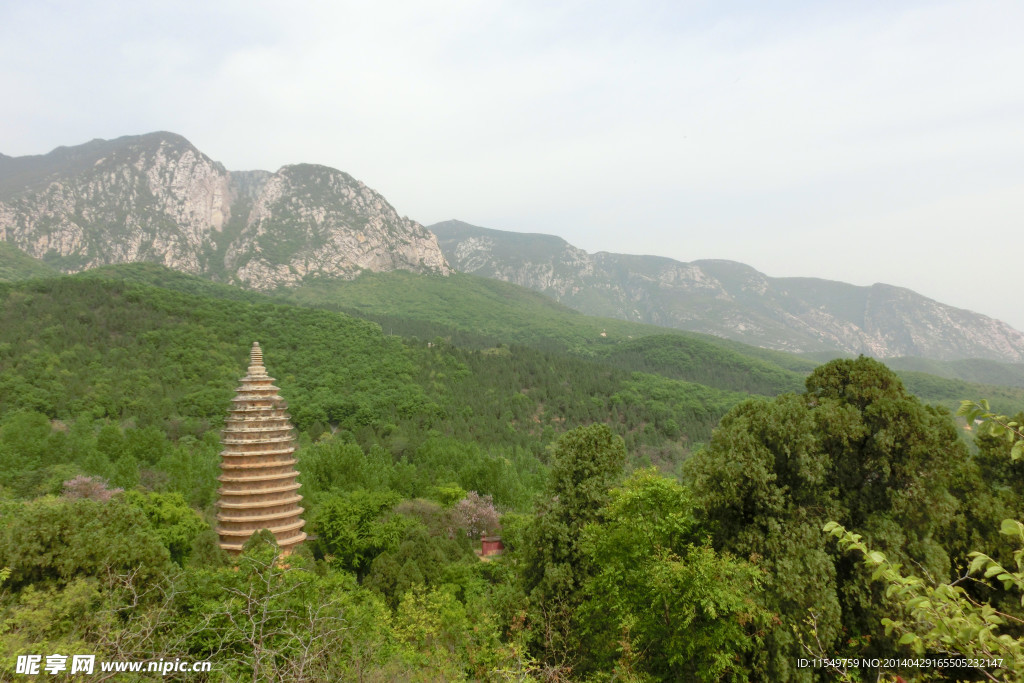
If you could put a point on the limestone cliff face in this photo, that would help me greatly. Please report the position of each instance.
(157, 198)
(732, 300)
(146, 198)
(311, 220)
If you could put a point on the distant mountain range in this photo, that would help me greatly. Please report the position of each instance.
(156, 198)
(732, 300)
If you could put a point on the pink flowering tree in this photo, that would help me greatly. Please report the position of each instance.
(476, 515)
(93, 488)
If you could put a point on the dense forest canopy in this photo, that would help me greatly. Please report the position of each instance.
(662, 498)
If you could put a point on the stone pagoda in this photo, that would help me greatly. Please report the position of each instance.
(259, 490)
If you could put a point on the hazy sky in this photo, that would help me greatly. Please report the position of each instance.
(857, 141)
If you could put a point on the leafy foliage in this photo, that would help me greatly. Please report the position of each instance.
(350, 530)
(999, 426)
(661, 600)
(586, 463)
(944, 617)
(57, 540)
(123, 375)
(857, 448)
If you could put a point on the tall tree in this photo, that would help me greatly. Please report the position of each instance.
(661, 601)
(855, 447)
(586, 463)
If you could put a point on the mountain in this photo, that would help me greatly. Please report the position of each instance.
(732, 300)
(157, 198)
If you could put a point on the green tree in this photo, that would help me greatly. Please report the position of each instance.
(661, 600)
(943, 616)
(434, 623)
(126, 472)
(175, 523)
(1001, 460)
(147, 445)
(761, 484)
(352, 528)
(56, 539)
(268, 619)
(854, 447)
(942, 619)
(52, 619)
(422, 559)
(586, 463)
(23, 450)
(110, 442)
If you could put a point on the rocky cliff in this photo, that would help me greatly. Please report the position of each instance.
(311, 220)
(732, 300)
(157, 198)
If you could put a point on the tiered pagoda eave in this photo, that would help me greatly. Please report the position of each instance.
(259, 487)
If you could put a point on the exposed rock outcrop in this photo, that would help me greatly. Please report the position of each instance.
(146, 198)
(157, 198)
(312, 220)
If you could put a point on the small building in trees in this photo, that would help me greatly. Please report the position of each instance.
(490, 546)
(258, 476)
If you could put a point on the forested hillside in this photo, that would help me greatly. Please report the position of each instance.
(437, 415)
(95, 348)
(17, 265)
(476, 313)
(469, 309)
(976, 370)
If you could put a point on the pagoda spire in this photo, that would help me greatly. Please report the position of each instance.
(256, 360)
(259, 488)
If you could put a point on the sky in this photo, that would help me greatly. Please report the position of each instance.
(856, 141)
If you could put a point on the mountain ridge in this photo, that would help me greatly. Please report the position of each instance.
(157, 198)
(733, 300)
